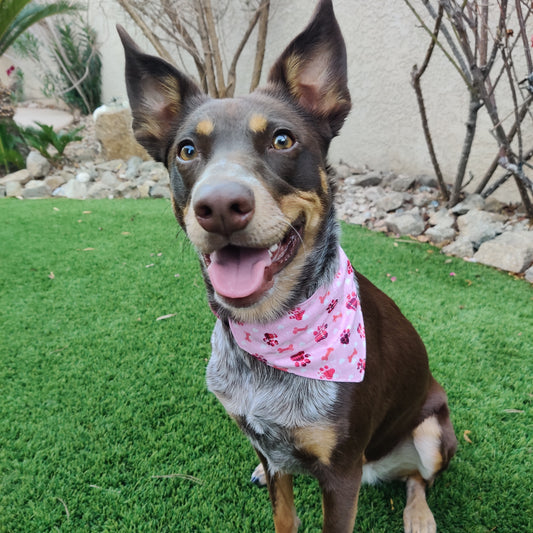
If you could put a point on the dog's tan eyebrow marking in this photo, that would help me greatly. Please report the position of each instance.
(323, 180)
(205, 127)
(258, 123)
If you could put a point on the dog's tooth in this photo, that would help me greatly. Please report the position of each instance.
(273, 249)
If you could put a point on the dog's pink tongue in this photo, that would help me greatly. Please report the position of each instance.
(237, 272)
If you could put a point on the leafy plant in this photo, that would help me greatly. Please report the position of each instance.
(42, 138)
(71, 70)
(19, 15)
(11, 148)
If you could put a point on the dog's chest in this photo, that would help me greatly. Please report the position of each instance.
(267, 404)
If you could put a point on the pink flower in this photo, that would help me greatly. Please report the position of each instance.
(452, 273)
(10, 70)
(393, 279)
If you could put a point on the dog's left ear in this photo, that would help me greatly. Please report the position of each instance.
(313, 69)
(157, 93)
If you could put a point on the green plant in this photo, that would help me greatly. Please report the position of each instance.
(18, 15)
(71, 70)
(79, 66)
(11, 157)
(42, 138)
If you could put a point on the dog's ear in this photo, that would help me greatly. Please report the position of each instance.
(313, 69)
(157, 93)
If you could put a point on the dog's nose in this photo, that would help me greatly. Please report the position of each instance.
(224, 207)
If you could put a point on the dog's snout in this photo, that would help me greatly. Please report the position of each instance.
(224, 208)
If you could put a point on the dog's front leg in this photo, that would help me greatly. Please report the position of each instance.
(339, 501)
(282, 499)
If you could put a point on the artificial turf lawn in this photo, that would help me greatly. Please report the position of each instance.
(105, 420)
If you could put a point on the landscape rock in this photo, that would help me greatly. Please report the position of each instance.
(72, 189)
(132, 167)
(13, 189)
(370, 179)
(461, 247)
(159, 191)
(402, 183)
(426, 180)
(113, 130)
(529, 275)
(442, 218)
(390, 202)
(83, 177)
(511, 251)
(474, 201)
(36, 189)
(2, 191)
(37, 165)
(21, 176)
(405, 224)
(479, 226)
(440, 234)
(55, 180)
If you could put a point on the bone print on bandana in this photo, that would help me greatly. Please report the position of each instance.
(311, 340)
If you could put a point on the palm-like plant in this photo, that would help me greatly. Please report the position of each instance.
(16, 16)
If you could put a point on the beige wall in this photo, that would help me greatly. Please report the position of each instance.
(384, 41)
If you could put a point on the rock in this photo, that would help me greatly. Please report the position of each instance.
(132, 167)
(99, 190)
(159, 173)
(13, 189)
(72, 189)
(2, 191)
(474, 201)
(461, 247)
(479, 226)
(35, 189)
(442, 218)
(370, 179)
(426, 180)
(55, 180)
(405, 224)
(113, 130)
(390, 202)
(512, 251)
(21, 176)
(529, 275)
(83, 177)
(373, 194)
(37, 165)
(109, 179)
(402, 183)
(159, 191)
(440, 234)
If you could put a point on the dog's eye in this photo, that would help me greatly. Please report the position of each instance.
(187, 151)
(282, 140)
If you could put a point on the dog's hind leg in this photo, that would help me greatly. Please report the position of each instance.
(417, 516)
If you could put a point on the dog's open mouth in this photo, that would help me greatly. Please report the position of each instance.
(241, 275)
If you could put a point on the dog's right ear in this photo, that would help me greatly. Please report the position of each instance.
(157, 93)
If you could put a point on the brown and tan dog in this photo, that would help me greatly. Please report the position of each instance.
(251, 190)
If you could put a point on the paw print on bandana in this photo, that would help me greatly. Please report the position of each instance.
(345, 337)
(326, 373)
(349, 268)
(300, 359)
(270, 339)
(352, 301)
(296, 314)
(332, 305)
(361, 330)
(320, 333)
(361, 365)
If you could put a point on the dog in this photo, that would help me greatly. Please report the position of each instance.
(318, 367)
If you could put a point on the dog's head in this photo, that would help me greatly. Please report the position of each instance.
(248, 175)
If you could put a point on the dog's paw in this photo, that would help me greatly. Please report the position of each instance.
(418, 518)
(258, 476)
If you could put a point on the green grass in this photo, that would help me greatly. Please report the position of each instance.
(99, 400)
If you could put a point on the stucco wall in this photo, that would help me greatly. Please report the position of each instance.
(383, 40)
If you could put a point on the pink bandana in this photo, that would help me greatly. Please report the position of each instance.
(322, 338)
